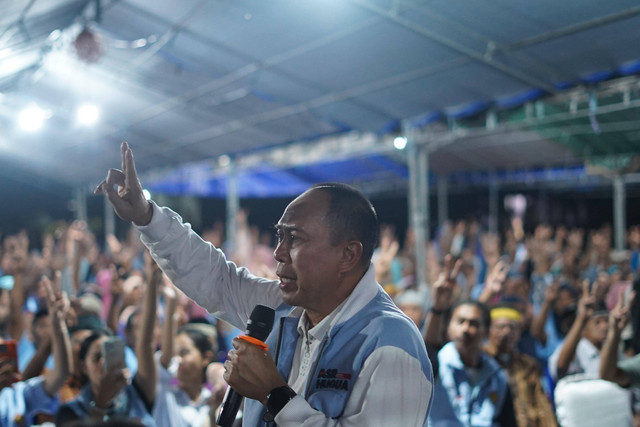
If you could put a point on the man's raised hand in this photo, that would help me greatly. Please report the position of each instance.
(128, 200)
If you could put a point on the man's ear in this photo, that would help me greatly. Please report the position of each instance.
(351, 255)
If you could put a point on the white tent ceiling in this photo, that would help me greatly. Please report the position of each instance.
(195, 79)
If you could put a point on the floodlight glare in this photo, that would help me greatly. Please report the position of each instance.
(31, 118)
(87, 114)
(400, 142)
(147, 195)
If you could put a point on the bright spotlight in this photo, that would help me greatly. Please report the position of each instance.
(32, 118)
(147, 195)
(87, 114)
(400, 142)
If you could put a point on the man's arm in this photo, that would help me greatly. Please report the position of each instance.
(618, 319)
(570, 344)
(537, 326)
(19, 252)
(115, 288)
(57, 305)
(169, 326)
(146, 377)
(196, 267)
(443, 298)
(39, 359)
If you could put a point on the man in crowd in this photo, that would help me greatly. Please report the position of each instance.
(531, 405)
(580, 350)
(470, 389)
(333, 320)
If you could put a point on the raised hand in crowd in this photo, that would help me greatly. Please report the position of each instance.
(58, 306)
(128, 199)
(170, 325)
(494, 284)
(537, 327)
(385, 254)
(444, 294)
(618, 319)
(586, 308)
(146, 377)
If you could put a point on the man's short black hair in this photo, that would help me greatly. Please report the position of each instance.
(351, 216)
(484, 310)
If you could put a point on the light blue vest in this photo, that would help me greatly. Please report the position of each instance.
(342, 354)
(456, 403)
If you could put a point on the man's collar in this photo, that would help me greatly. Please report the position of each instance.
(366, 289)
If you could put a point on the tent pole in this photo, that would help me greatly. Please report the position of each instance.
(619, 211)
(80, 197)
(417, 158)
(443, 202)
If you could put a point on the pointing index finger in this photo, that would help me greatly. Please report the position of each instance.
(129, 168)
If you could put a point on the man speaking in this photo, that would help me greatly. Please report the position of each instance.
(340, 352)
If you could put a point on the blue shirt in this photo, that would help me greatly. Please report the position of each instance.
(23, 400)
(457, 402)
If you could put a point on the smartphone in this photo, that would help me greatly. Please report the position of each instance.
(113, 353)
(9, 353)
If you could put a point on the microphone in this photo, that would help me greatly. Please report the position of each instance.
(258, 328)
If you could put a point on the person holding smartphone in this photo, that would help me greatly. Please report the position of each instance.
(107, 393)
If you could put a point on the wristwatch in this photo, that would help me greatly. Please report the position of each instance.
(276, 399)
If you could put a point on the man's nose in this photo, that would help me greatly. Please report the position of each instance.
(281, 252)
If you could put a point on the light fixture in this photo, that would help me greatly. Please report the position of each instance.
(400, 142)
(31, 118)
(87, 114)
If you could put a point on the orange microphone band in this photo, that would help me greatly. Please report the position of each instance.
(254, 341)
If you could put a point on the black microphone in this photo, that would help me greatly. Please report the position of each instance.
(259, 326)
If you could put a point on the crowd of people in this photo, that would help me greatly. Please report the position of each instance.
(515, 326)
(519, 325)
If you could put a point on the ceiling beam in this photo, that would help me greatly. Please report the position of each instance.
(493, 46)
(576, 28)
(457, 47)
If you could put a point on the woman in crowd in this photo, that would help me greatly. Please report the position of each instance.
(183, 398)
(107, 394)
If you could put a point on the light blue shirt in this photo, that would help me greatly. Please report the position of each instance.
(23, 400)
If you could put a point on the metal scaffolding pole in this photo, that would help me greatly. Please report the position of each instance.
(443, 200)
(417, 157)
(233, 204)
(619, 211)
(80, 199)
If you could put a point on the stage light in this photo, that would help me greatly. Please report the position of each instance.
(147, 195)
(87, 114)
(32, 118)
(400, 142)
